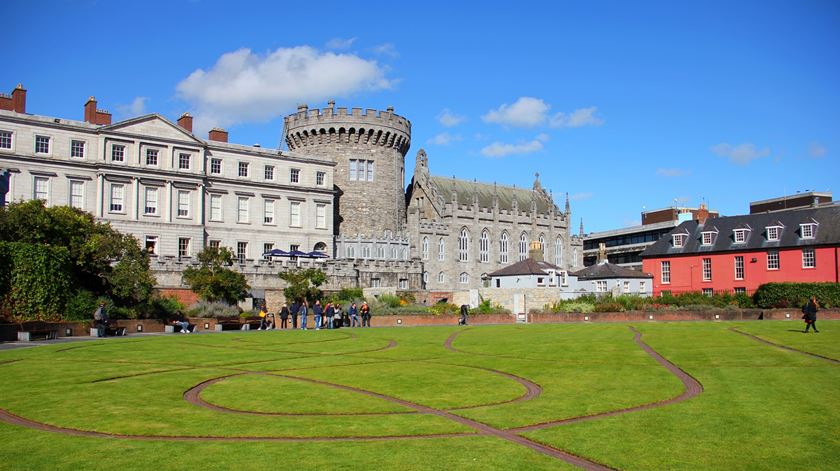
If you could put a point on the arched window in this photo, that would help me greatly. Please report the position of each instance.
(542, 245)
(380, 251)
(484, 247)
(463, 245)
(558, 251)
(464, 277)
(425, 277)
(366, 251)
(441, 250)
(320, 247)
(503, 248)
(523, 246)
(425, 248)
(350, 251)
(441, 277)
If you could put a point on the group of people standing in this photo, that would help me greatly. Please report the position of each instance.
(327, 316)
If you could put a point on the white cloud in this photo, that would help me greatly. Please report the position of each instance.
(817, 150)
(137, 107)
(525, 112)
(340, 43)
(243, 86)
(387, 49)
(449, 119)
(671, 172)
(444, 139)
(581, 196)
(741, 154)
(577, 118)
(499, 149)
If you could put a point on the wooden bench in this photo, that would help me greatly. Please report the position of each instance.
(40, 334)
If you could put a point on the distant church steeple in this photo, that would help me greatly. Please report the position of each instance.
(581, 227)
(568, 206)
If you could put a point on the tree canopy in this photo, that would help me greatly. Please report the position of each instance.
(213, 281)
(303, 284)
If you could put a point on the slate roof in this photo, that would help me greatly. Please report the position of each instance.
(529, 266)
(827, 232)
(604, 271)
(485, 191)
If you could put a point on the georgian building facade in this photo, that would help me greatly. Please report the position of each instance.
(172, 190)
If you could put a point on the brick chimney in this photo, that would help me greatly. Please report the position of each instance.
(186, 121)
(95, 116)
(218, 135)
(702, 214)
(16, 102)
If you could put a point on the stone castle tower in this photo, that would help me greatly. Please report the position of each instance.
(369, 150)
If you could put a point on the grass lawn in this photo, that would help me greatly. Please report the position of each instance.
(397, 398)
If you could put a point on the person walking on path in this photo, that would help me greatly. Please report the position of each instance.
(284, 317)
(809, 313)
(354, 315)
(317, 311)
(303, 312)
(100, 320)
(365, 310)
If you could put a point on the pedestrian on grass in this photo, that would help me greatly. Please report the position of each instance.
(354, 315)
(809, 313)
(284, 316)
(317, 311)
(365, 311)
(328, 315)
(304, 310)
(294, 313)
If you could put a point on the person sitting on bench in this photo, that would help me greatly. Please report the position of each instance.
(183, 325)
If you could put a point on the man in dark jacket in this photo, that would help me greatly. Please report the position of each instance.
(810, 314)
(100, 320)
(294, 313)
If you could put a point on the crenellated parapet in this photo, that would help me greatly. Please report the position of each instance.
(330, 125)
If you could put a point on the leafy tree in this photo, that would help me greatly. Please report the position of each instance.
(213, 281)
(303, 284)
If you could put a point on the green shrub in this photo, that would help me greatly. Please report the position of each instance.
(389, 300)
(407, 298)
(348, 295)
(486, 306)
(214, 310)
(785, 295)
(80, 306)
(444, 308)
(36, 282)
(165, 307)
(581, 304)
(609, 306)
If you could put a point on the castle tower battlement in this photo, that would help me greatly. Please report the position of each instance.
(369, 150)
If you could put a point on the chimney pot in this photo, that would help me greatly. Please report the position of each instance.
(19, 99)
(218, 135)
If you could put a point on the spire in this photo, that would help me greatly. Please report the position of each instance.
(569, 206)
(537, 186)
(581, 227)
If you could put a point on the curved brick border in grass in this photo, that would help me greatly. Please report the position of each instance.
(783, 347)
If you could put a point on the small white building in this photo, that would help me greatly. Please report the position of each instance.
(607, 278)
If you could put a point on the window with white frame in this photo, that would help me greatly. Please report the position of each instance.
(665, 268)
(320, 216)
(267, 247)
(773, 233)
(294, 175)
(269, 172)
(679, 239)
(708, 292)
(558, 251)
(5, 139)
(77, 149)
(151, 206)
(183, 203)
(42, 144)
(484, 247)
(350, 251)
(183, 247)
(403, 283)
(370, 170)
(707, 269)
(216, 166)
(77, 194)
(740, 236)
(626, 286)
(151, 245)
(241, 251)
(354, 170)
(375, 283)
(425, 277)
(41, 189)
(523, 246)
(425, 248)
(463, 245)
(740, 290)
(642, 286)
(464, 278)
(504, 243)
(739, 267)
(380, 251)
(242, 209)
(243, 169)
(365, 251)
(184, 161)
(809, 259)
(215, 244)
(215, 207)
(773, 260)
(807, 230)
(441, 277)
(117, 197)
(152, 157)
(268, 211)
(708, 237)
(294, 213)
(361, 170)
(441, 250)
(320, 177)
(601, 286)
(542, 245)
(117, 153)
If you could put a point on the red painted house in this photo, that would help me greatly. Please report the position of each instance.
(740, 253)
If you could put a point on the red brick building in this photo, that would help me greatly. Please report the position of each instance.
(740, 253)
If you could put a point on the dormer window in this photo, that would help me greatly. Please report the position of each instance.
(773, 233)
(679, 240)
(807, 230)
(708, 237)
(740, 235)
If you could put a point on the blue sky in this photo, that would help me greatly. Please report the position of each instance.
(624, 105)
